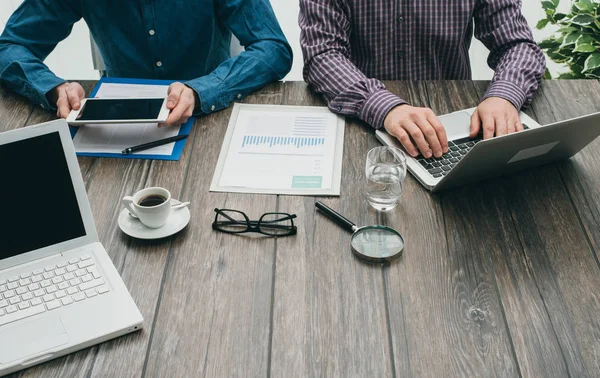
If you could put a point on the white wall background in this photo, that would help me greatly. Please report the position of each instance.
(72, 57)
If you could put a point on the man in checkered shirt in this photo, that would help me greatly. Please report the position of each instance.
(350, 45)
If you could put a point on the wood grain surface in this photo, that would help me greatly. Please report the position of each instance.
(329, 315)
(498, 278)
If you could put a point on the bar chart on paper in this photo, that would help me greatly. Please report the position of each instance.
(286, 149)
(271, 141)
(285, 135)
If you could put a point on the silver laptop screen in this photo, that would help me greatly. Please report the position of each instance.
(38, 205)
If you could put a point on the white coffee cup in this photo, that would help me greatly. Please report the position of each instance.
(151, 205)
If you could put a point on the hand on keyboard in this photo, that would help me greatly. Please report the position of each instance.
(417, 126)
(496, 116)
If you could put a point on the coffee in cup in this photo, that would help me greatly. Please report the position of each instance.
(152, 200)
(151, 205)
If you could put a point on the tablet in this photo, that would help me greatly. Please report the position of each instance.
(120, 110)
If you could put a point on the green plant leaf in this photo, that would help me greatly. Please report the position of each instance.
(571, 38)
(584, 5)
(547, 74)
(567, 29)
(585, 39)
(582, 19)
(559, 16)
(549, 5)
(577, 69)
(549, 43)
(585, 48)
(555, 2)
(592, 62)
(542, 24)
(569, 75)
(585, 43)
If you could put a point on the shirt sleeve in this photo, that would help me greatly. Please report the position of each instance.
(517, 60)
(325, 41)
(31, 33)
(267, 56)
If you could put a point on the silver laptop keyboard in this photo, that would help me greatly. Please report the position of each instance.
(457, 149)
(438, 167)
(50, 288)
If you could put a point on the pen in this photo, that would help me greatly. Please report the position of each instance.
(156, 143)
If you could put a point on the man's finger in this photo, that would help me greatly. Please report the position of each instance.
(174, 91)
(403, 137)
(417, 135)
(74, 99)
(430, 136)
(475, 124)
(175, 115)
(501, 125)
(439, 130)
(78, 89)
(488, 124)
(519, 125)
(511, 125)
(63, 105)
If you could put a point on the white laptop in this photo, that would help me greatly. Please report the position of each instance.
(470, 160)
(59, 290)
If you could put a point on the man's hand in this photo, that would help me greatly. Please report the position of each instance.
(418, 126)
(497, 116)
(181, 103)
(67, 96)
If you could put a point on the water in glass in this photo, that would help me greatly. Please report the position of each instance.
(385, 171)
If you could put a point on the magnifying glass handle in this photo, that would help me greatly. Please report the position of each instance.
(336, 217)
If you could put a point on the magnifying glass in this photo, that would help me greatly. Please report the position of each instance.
(375, 244)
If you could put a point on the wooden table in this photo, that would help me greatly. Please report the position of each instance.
(497, 279)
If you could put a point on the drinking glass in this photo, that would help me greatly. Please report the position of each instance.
(385, 170)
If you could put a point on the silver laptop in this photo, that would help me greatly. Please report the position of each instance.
(59, 290)
(470, 160)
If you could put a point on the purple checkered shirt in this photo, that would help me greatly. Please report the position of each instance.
(348, 43)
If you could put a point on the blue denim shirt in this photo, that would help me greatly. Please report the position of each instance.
(185, 40)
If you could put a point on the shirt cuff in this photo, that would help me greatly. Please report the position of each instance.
(43, 85)
(377, 106)
(210, 93)
(508, 91)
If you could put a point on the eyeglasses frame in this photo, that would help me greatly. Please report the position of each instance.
(254, 226)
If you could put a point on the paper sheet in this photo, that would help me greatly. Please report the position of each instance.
(281, 149)
(113, 138)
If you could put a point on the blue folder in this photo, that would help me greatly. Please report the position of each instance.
(184, 129)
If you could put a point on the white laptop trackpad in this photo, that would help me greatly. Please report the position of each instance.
(457, 124)
(31, 338)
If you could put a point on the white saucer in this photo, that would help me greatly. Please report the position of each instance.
(135, 228)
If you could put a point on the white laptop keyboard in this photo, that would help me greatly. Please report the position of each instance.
(50, 288)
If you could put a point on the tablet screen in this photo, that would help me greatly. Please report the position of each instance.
(120, 109)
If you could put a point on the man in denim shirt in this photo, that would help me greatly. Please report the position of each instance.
(184, 40)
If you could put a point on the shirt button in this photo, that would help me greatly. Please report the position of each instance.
(401, 54)
(400, 19)
(212, 107)
(370, 119)
(159, 64)
(339, 108)
(239, 95)
(151, 32)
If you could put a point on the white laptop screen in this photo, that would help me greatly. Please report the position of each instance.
(38, 203)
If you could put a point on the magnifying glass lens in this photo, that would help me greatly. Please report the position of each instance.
(377, 244)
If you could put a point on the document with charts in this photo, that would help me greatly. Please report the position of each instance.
(278, 149)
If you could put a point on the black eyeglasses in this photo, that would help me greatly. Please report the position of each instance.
(271, 224)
